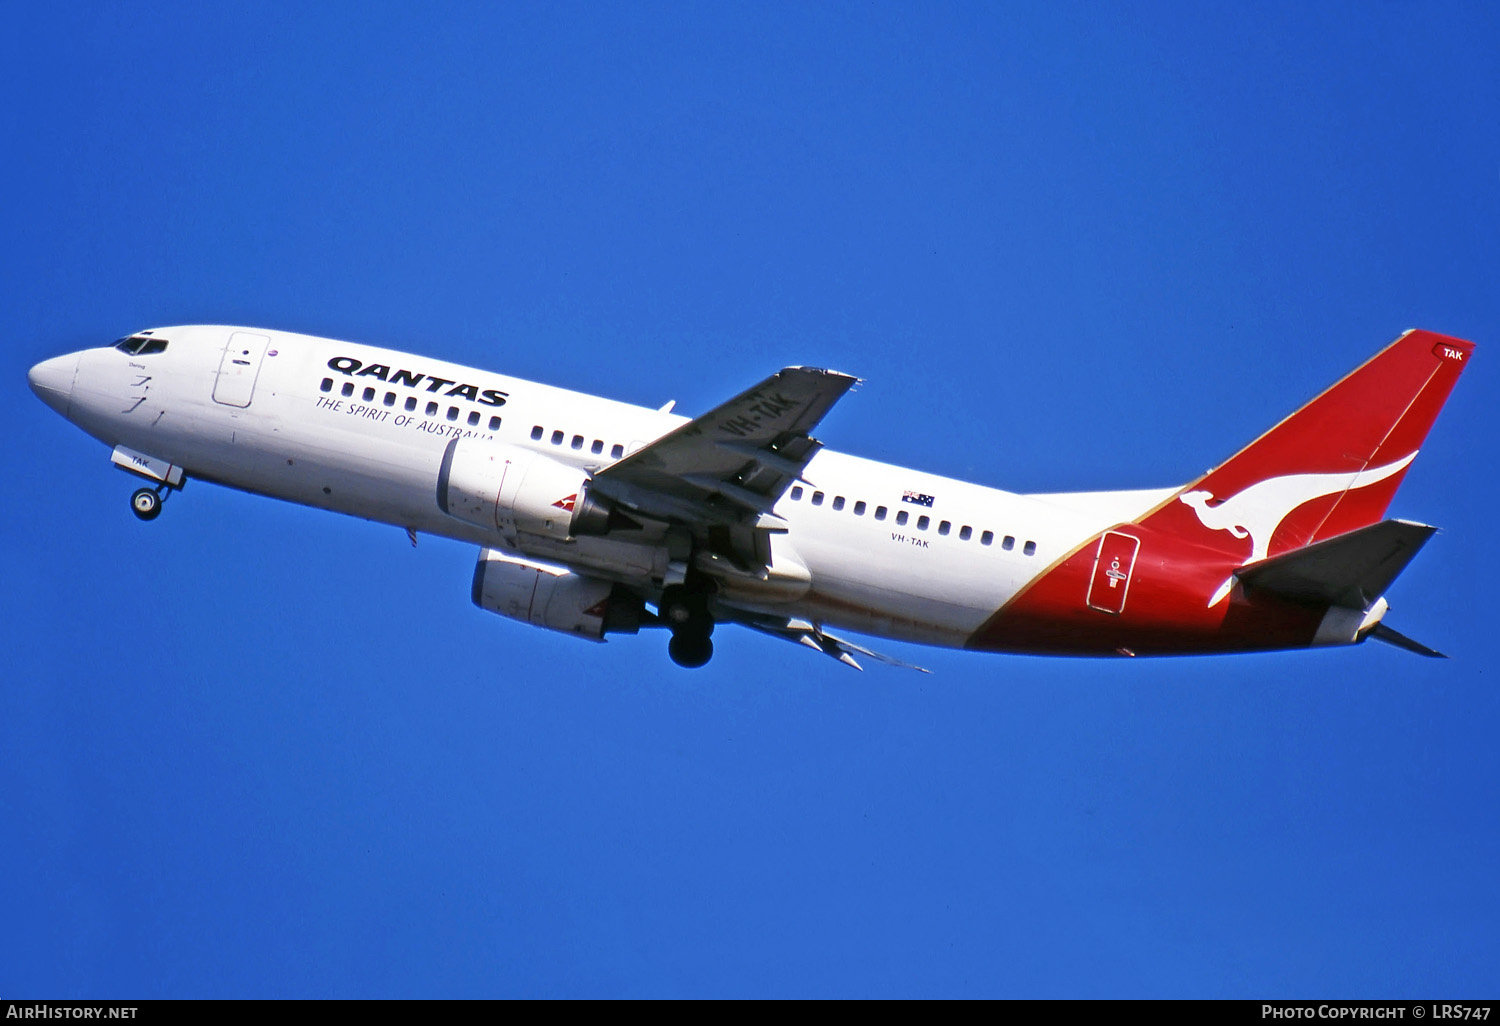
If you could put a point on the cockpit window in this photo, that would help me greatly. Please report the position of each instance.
(141, 345)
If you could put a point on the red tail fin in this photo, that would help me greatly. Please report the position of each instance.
(1330, 467)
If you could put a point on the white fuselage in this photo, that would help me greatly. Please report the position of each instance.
(369, 444)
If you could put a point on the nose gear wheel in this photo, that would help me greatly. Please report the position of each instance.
(146, 503)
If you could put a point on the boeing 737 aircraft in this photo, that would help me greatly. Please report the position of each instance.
(594, 517)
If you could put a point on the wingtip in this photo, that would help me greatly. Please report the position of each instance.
(827, 371)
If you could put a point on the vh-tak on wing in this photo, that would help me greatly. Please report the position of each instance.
(721, 473)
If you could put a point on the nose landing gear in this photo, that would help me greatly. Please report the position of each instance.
(146, 502)
(165, 477)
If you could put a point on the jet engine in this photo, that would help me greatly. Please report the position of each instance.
(509, 489)
(555, 598)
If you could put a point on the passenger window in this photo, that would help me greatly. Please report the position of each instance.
(922, 523)
(432, 409)
(390, 398)
(901, 518)
(817, 498)
(369, 394)
(880, 512)
(987, 538)
(327, 385)
(859, 508)
(965, 532)
(473, 418)
(347, 390)
(494, 423)
(1030, 548)
(944, 527)
(616, 451)
(557, 438)
(796, 493)
(453, 413)
(536, 433)
(838, 502)
(578, 441)
(1008, 544)
(411, 403)
(597, 447)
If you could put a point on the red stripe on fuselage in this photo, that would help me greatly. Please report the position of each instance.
(1168, 612)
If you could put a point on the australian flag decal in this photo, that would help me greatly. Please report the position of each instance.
(917, 499)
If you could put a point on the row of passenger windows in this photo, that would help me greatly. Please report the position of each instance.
(944, 527)
(558, 437)
(368, 395)
(596, 446)
(617, 450)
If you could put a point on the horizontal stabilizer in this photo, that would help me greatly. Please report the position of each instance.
(1350, 570)
(815, 638)
(1380, 632)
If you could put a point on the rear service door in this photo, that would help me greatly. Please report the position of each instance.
(239, 368)
(1112, 568)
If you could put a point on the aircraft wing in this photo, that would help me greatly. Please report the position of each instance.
(728, 467)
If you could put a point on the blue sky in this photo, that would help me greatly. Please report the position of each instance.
(257, 750)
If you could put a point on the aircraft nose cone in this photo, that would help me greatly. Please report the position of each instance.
(52, 381)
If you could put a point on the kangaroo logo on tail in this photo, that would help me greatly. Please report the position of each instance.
(1257, 511)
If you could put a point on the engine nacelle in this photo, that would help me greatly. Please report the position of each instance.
(508, 489)
(551, 597)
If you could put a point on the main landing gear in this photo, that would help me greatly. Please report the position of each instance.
(146, 502)
(684, 610)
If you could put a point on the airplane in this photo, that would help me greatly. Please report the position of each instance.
(596, 517)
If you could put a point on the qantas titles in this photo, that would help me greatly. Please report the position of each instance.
(348, 365)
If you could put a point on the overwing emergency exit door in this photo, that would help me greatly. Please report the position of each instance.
(239, 367)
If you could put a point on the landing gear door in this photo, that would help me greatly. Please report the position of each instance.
(239, 368)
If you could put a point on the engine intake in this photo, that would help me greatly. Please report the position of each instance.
(554, 598)
(515, 490)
